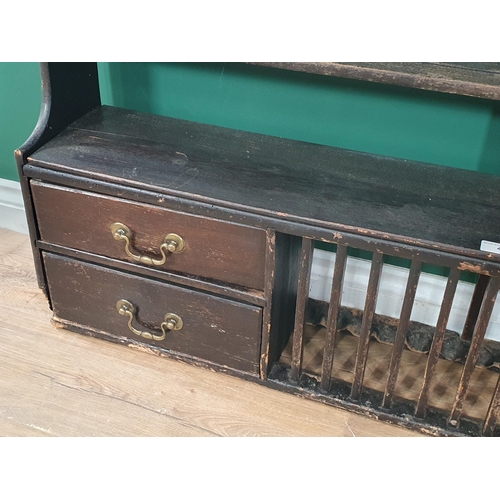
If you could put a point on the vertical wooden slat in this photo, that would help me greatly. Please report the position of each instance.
(437, 342)
(492, 414)
(399, 342)
(268, 291)
(475, 306)
(300, 308)
(333, 314)
(473, 356)
(364, 335)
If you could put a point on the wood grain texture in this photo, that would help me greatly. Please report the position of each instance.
(59, 383)
(284, 296)
(399, 341)
(304, 278)
(270, 274)
(475, 306)
(228, 290)
(366, 325)
(340, 189)
(365, 239)
(470, 79)
(489, 300)
(437, 341)
(333, 315)
(214, 249)
(216, 329)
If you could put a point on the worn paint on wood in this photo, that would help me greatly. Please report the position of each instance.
(300, 308)
(471, 79)
(366, 325)
(252, 205)
(215, 329)
(333, 314)
(213, 249)
(266, 175)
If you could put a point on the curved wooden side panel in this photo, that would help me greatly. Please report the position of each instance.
(69, 90)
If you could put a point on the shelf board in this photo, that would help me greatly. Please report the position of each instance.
(469, 79)
(288, 180)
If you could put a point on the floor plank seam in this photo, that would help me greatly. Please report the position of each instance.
(179, 420)
(224, 406)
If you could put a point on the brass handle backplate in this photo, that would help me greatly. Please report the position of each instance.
(173, 243)
(171, 321)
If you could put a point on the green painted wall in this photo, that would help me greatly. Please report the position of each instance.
(20, 99)
(407, 123)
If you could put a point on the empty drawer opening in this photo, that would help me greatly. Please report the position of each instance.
(400, 336)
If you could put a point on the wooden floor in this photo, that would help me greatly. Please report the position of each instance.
(58, 383)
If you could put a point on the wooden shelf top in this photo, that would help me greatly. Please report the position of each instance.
(284, 179)
(470, 79)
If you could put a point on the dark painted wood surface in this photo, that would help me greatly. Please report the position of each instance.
(480, 328)
(333, 316)
(215, 329)
(475, 306)
(472, 79)
(398, 246)
(270, 276)
(229, 291)
(366, 325)
(493, 412)
(251, 177)
(304, 279)
(437, 342)
(69, 90)
(288, 180)
(404, 320)
(225, 252)
(284, 295)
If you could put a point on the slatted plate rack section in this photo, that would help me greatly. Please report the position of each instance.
(472, 79)
(352, 393)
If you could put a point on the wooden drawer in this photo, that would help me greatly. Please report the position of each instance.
(215, 329)
(214, 249)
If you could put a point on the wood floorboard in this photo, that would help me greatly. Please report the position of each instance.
(58, 383)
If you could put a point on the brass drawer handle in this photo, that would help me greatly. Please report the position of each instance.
(173, 244)
(171, 322)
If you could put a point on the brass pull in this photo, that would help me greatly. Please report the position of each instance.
(171, 322)
(173, 244)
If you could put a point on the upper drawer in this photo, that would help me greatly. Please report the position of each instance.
(214, 249)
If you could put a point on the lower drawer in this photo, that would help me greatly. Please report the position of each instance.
(215, 329)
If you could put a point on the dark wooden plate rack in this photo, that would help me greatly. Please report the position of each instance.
(249, 209)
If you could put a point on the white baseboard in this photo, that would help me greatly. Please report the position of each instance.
(12, 214)
(393, 279)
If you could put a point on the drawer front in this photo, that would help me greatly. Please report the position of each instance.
(215, 329)
(213, 249)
